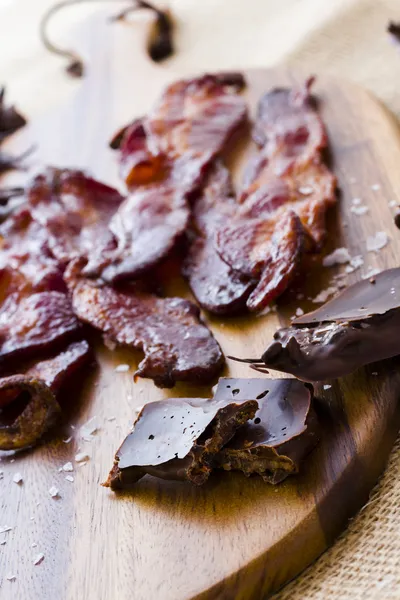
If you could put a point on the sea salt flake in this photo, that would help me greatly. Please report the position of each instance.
(356, 201)
(89, 429)
(111, 418)
(11, 577)
(129, 397)
(359, 210)
(67, 441)
(81, 456)
(34, 545)
(53, 491)
(3, 542)
(39, 558)
(375, 187)
(327, 387)
(5, 528)
(122, 368)
(377, 242)
(68, 467)
(299, 312)
(69, 478)
(340, 256)
(324, 295)
(17, 478)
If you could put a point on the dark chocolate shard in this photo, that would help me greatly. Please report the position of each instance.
(177, 439)
(31, 398)
(177, 345)
(283, 431)
(356, 328)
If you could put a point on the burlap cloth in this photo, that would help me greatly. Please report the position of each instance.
(343, 37)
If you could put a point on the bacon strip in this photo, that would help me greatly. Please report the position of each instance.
(287, 190)
(35, 312)
(75, 210)
(217, 287)
(176, 344)
(163, 160)
(37, 392)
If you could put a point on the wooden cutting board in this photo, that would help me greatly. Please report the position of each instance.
(235, 537)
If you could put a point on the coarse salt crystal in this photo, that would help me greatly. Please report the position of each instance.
(39, 558)
(340, 256)
(81, 456)
(3, 542)
(375, 187)
(68, 467)
(359, 210)
(34, 545)
(69, 478)
(324, 295)
(122, 368)
(89, 428)
(111, 418)
(17, 478)
(67, 441)
(5, 528)
(11, 577)
(377, 242)
(299, 312)
(327, 387)
(53, 491)
(356, 201)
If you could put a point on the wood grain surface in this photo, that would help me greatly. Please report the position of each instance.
(234, 538)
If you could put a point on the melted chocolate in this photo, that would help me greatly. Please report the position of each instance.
(283, 432)
(177, 439)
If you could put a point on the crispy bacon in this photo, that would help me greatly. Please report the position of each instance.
(75, 210)
(287, 190)
(163, 160)
(28, 402)
(35, 312)
(217, 287)
(176, 344)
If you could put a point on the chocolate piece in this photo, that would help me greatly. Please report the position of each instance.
(36, 391)
(177, 439)
(283, 431)
(177, 345)
(356, 328)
